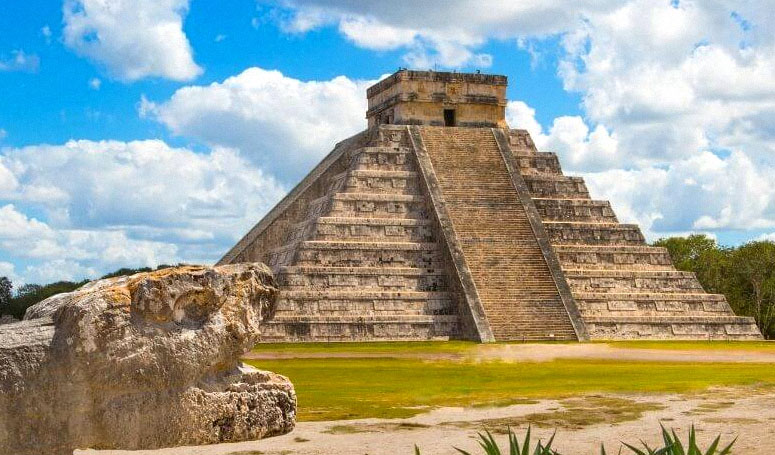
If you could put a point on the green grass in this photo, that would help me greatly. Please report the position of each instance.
(349, 388)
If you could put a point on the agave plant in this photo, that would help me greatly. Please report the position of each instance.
(673, 445)
(487, 442)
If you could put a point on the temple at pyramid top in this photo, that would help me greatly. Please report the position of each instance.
(439, 221)
(438, 99)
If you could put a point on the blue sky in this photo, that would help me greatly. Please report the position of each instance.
(134, 133)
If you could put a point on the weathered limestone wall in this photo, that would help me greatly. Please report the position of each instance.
(420, 97)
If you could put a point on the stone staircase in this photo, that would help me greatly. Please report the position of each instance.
(518, 294)
(365, 262)
(622, 287)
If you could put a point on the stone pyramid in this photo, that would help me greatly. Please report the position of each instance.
(439, 222)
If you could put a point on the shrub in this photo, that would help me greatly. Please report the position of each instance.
(672, 446)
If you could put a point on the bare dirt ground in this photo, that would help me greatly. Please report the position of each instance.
(582, 424)
(536, 352)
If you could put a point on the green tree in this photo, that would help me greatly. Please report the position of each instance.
(752, 283)
(5, 294)
(687, 251)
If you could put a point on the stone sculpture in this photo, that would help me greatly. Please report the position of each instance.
(142, 362)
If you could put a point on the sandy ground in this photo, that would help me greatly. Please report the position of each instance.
(582, 423)
(729, 412)
(548, 352)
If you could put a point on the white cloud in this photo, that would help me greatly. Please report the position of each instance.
(579, 148)
(700, 193)
(445, 33)
(46, 32)
(282, 124)
(125, 204)
(674, 81)
(20, 61)
(95, 83)
(132, 39)
(766, 237)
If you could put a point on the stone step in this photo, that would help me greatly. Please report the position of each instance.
(331, 329)
(557, 186)
(382, 158)
(613, 257)
(586, 233)
(364, 228)
(538, 163)
(666, 281)
(369, 254)
(374, 205)
(375, 181)
(295, 278)
(651, 304)
(579, 210)
(672, 327)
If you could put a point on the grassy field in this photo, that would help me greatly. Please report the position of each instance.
(337, 388)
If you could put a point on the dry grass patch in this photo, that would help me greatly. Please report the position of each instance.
(387, 427)
(576, 413)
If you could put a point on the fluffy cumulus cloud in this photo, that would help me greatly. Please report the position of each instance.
(673, 79)
(443, 32)
(281, 124)
(132, 39)
(124, 204)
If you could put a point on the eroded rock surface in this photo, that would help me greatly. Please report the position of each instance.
(142, 362)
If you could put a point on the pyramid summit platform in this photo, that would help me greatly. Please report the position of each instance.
(440, 222)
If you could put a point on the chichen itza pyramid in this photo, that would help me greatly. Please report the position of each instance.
(438, 221)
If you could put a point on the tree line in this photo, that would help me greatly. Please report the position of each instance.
(744, 274)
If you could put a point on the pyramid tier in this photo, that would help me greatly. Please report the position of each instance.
(586, 233)
(652, 304)
(575, 210)
(382, 158)
(297, 278)
(674, 327)
(373, 205)
(364, 302)
(369, 254)
(375, 182)
(361, 228)
(538, 163)
(558, 186)
(668, 281)
(358, 328)
(613, 257)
